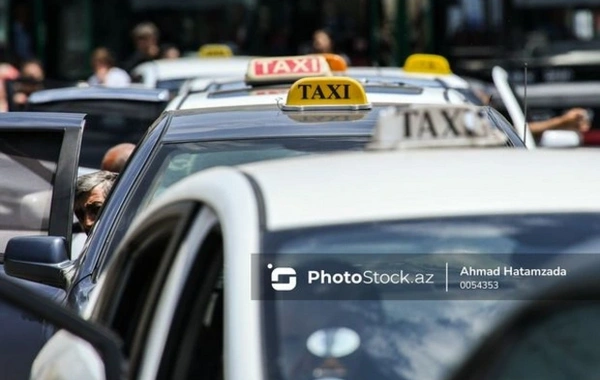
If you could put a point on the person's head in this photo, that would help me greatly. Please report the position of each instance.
(170, 52)
(145, 36)
(90, 195)
(322, 42)
(32, 69)
(102, 58)
(116, 157)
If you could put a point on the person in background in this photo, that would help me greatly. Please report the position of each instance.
(169, 51)
(145, 37)
(116, 157)
(323, 43)
(105, 72)
(7, 73)
(90, 194)
(31, 79)
(576, 119)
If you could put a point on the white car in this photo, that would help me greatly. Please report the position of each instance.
(170, 74)
(259, 271)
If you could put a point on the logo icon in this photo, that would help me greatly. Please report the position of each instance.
(279, 284)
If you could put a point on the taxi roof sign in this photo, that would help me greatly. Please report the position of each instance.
(286, 69)
(326, 93)
(215, 51)
(435, 126)
(427, 64)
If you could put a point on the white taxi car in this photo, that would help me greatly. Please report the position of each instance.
(267, 81)
(258, 271)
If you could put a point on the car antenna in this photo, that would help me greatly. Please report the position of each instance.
(525, 106)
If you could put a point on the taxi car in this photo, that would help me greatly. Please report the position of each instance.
(233, 247)
(213, 60)
(419, 70)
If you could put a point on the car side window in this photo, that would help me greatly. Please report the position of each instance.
(194, 349)
(134, 282)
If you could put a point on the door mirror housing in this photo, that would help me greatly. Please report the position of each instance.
(96, 347)
(560, 139)
(40, 259)
(553, 337)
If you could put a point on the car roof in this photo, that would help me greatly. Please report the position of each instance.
(358, 187)
(191, 67)
(449, 80)
(99, 93)
(427, 96)
(364, 186)
(264, 121)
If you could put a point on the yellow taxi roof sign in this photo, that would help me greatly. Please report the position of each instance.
(215, 51)
(335, 61)
(286, 69)
(322, 93)
(427, 64)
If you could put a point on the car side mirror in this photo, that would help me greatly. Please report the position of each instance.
(561, 139)
(97, 350)
(41, 259)
(553, 337)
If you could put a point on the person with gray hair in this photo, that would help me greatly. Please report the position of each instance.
(90, 194)
(146, 40)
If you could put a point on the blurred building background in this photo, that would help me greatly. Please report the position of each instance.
(62, 33)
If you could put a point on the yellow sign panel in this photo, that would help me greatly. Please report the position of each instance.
(427, 64)
(215, 51)
(326, 117)
(327, 92)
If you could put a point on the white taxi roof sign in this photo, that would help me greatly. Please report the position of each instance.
(427, 64)
(215, 51)
(435, 126)
(326, 93)
(286, 69)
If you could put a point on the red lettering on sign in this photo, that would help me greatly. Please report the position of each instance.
(287, 66)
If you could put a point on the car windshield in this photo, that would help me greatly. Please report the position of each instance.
(108, 122)
(176, 161)
(382, 335)
(172, 85)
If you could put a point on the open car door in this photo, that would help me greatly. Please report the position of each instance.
(39, 155)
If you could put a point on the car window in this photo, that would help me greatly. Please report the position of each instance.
(108, 123)
(29, 171)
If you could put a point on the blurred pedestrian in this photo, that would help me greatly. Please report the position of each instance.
(7, 73)
(31, 79)
(169, 51)
(105, 72)
(146, 38)
(90, 194)
(116, 157)
(322, 42)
